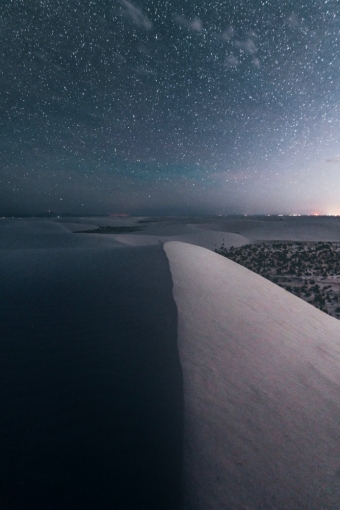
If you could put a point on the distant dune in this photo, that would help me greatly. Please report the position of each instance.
(205, 238)
(304, 228)
(261, 386)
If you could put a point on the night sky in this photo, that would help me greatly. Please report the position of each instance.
(174, 107)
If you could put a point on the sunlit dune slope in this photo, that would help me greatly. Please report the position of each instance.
(262, 396)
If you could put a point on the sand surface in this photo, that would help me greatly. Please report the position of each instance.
(91, 383)
(90, 390)
(205, 238)
(252, 228)
(275, 228)
(261, 384)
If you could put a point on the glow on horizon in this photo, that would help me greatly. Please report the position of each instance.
(333, 212)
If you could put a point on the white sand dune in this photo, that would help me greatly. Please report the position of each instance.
(261, 382)
(205, 238)
(78, 227)
(136, 240)
(273, 228)
(100, 221)
(209, 239)
(41, 234)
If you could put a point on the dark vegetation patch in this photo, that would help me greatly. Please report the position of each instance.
(110, 230)
(308, 270)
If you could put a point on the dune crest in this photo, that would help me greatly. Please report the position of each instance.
(261, 386)
(207, 239)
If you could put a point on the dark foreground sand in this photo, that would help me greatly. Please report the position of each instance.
(91, 396)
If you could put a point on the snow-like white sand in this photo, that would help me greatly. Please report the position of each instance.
(274, 228)
(205, 238)
(262, 389)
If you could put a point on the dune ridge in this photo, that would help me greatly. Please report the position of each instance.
(261, 389)
(205, 238)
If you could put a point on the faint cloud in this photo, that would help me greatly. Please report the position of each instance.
(119, 57)
(143, 49)
(144, 70)
(296, 23)
(293, 21)
(256, 62)
(195, 24)
(228, 33)
(252, 33)
(248, 46)
(41, 55)
(135, 14)
(231, 61)
(230, 177)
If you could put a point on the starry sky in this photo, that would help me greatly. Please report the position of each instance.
(170, 106)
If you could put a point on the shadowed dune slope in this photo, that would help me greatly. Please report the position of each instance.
(90, 381)
(261, 387)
